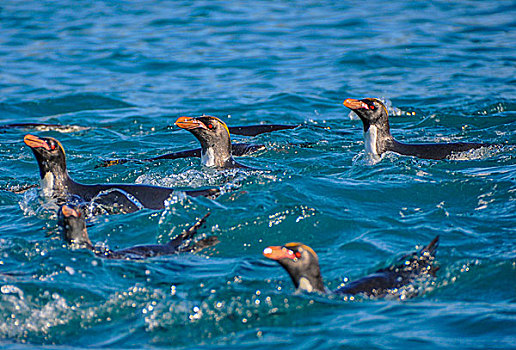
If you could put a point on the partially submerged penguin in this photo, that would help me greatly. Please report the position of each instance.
(73, 223)
(213, 134)
(378, 138)
(56, 183)
(237, 149)
(302, 264)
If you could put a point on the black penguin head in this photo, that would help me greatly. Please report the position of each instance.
(213, 134)
(49, 154)
(301, 263)
(72, 220)
(371, 111)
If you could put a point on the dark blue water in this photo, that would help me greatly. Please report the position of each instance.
(127, 70)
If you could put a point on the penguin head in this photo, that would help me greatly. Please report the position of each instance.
(213, 134)
(371, 111)
(301, 263)
(49, 154)
(72, 220)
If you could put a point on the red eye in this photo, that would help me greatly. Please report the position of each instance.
(210, 126)
(52, 147)
(298, 255)
(371, 107)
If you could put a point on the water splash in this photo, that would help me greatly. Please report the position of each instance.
(33, 204)
(46, 127)
(365, 158)
(30, 320)
(96, 207)
(228, 180)
(10, 289)
(192, 178)
(479, 153)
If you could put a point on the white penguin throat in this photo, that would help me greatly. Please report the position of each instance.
(304, 284)
(370, 138)
(47, 184)
(208, 157)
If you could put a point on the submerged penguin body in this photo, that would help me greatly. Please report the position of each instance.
(73, 223)
(56, 183)
(302, 264)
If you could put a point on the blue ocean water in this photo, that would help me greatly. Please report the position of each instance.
(128, 69)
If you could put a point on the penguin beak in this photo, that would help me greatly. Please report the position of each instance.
(189, 123)
(35, 142)
(353, 104)
(67, 211)
(278, 253)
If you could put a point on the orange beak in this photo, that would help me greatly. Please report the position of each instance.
(189, 123)
(35, 142)
(351, 103)
(278, 253)
(67, 211)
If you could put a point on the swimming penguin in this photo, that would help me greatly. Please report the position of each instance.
(72, 221)
(213, 134)
(56, 183)
(378, 138)
(302, 264)
(237, 149)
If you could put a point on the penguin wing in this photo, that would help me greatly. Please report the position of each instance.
(192, 153)
(253, 130)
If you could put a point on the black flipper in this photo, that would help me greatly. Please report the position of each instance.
(190, 232)
(428, 249)
(180, 242)
(409, 268)
(192, 153)
(209, 193)
(20, 189)
(431, 247)
(202, 244)
(238, 149)
(175, 155)
(242, 149)
(428, 253)
(436, 151)
(111, 162)
(253, 130)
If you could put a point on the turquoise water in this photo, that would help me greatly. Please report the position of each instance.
(127, 70)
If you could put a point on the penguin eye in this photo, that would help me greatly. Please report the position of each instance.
(52, 147)
(371, 107)
(210, 126)
(298, 255)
